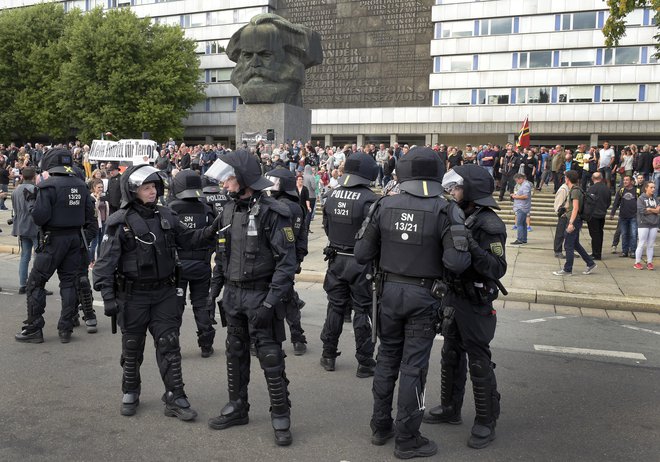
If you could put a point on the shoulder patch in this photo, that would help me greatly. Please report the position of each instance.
(497, 249)
(288, 234)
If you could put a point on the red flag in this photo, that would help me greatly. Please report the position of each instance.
(523, 136)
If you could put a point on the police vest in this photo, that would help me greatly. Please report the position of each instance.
(411, 235)
(345, 210)
(71, 194)
(246, 257)
(193, 214)
(150, 248)
(216, 200)
(297, 220)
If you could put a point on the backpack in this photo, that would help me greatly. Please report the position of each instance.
(589, 204)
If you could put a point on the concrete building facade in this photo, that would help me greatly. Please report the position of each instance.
(491, 63)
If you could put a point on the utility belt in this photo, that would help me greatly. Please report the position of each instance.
(250, 285)
(127, 286)
(476, 294)
(61, 231)
(437, 287)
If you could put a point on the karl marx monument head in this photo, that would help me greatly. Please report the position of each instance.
(271, 55)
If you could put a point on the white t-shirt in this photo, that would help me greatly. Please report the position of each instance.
(606, 156)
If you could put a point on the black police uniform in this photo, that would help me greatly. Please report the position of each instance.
(286, 193)
(113, 193)
(411, 236)
(256, 263)
(135, 274)
(194, 213)
(346, 280)
(214, 195)
(62, 208)
(470, 320)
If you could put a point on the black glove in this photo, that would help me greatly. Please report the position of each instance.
(263, 317)
(299, 268)
(210, 230)
(110, 308)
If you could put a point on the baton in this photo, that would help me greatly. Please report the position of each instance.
(113, 322)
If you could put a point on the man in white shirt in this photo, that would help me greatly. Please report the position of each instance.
(606, 161)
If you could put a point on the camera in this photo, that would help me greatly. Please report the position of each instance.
(10, 221)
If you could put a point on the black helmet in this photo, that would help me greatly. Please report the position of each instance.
(478, 185)
(242, 165)
(137, 175)
(283, 180)
(359, 169)
(58, 160)
(210, 185)
(420, 172)
(187, 184)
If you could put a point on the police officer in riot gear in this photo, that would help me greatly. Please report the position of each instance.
(62, 209)
(284, 190)
(346, 280)
(136, 275)
(469, 317)
(194, 213)
(214, 195)
(412, 237)
(256, 263)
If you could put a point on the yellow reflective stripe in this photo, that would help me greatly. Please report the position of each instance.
(426, 189)
(346, 180)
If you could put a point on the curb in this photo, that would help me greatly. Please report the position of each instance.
(11, 249)
(603, 302)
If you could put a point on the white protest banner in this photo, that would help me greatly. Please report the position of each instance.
(134, 151)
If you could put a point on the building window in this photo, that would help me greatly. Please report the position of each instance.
(494, 62)
(635, 18)
(653, 93)
(578, 58)
(579, 21)
(219, 75)
(576, 94)
(534, 95)
(459, 63)
(620, 93)
(194, 20)
(534, 24)
(245, 14)
(221, 104)
(73, 4)
(169, 20)
(535, 59)
(622, 55)
(455, 97)
(217, 46)
(457, 29)
(215, 18)
(494, 96)
(496, 26)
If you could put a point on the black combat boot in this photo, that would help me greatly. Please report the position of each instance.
(272, 362)
(65, 336)
(90, 321)
(366, 368)
(299, 348)
(178, 406)
(205, 342)
(449, 409)
(168, 355)
(236, 411)
(129, 403)
(30, 334)
(381, 435)
(415, 447)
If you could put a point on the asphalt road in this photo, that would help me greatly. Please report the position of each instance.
(61, 401)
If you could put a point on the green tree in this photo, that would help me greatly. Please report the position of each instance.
(615, 26)
(127, 75)
(30, 57)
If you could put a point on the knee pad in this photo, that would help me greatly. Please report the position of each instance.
(132, 342)
(169, 342)
(270, 356)
(480, 368)
(83, 283)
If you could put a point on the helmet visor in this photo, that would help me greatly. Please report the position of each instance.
(277, 185)
(451, 180)
(147, 174)
(220, 171)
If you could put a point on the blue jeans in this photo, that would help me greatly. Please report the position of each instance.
(572, 243)
(95, 245)
(27, 245)
(521, 223)
(628, 227)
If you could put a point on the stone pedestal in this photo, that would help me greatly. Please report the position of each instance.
(289, 122)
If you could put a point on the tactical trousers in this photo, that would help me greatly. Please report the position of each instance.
(240, 306)
(61, 253)
(159, 311)
(346, 284)
(405, 322)
(204, 319)
(293, 318)
(466, 338)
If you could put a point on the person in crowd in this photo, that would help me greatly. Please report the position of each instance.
(647, 225)
(114, 189)
(23, 227)
(310, 181)
(529, 165)
(589, 167)
(656, 170)
(626, 202)
(5, 178)
(509, 164)
(556, 163)
(572, 235)
(603, 200)
(560, 206)
(102, 212)
(392, 186)
(522, 206)
(606, 159)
